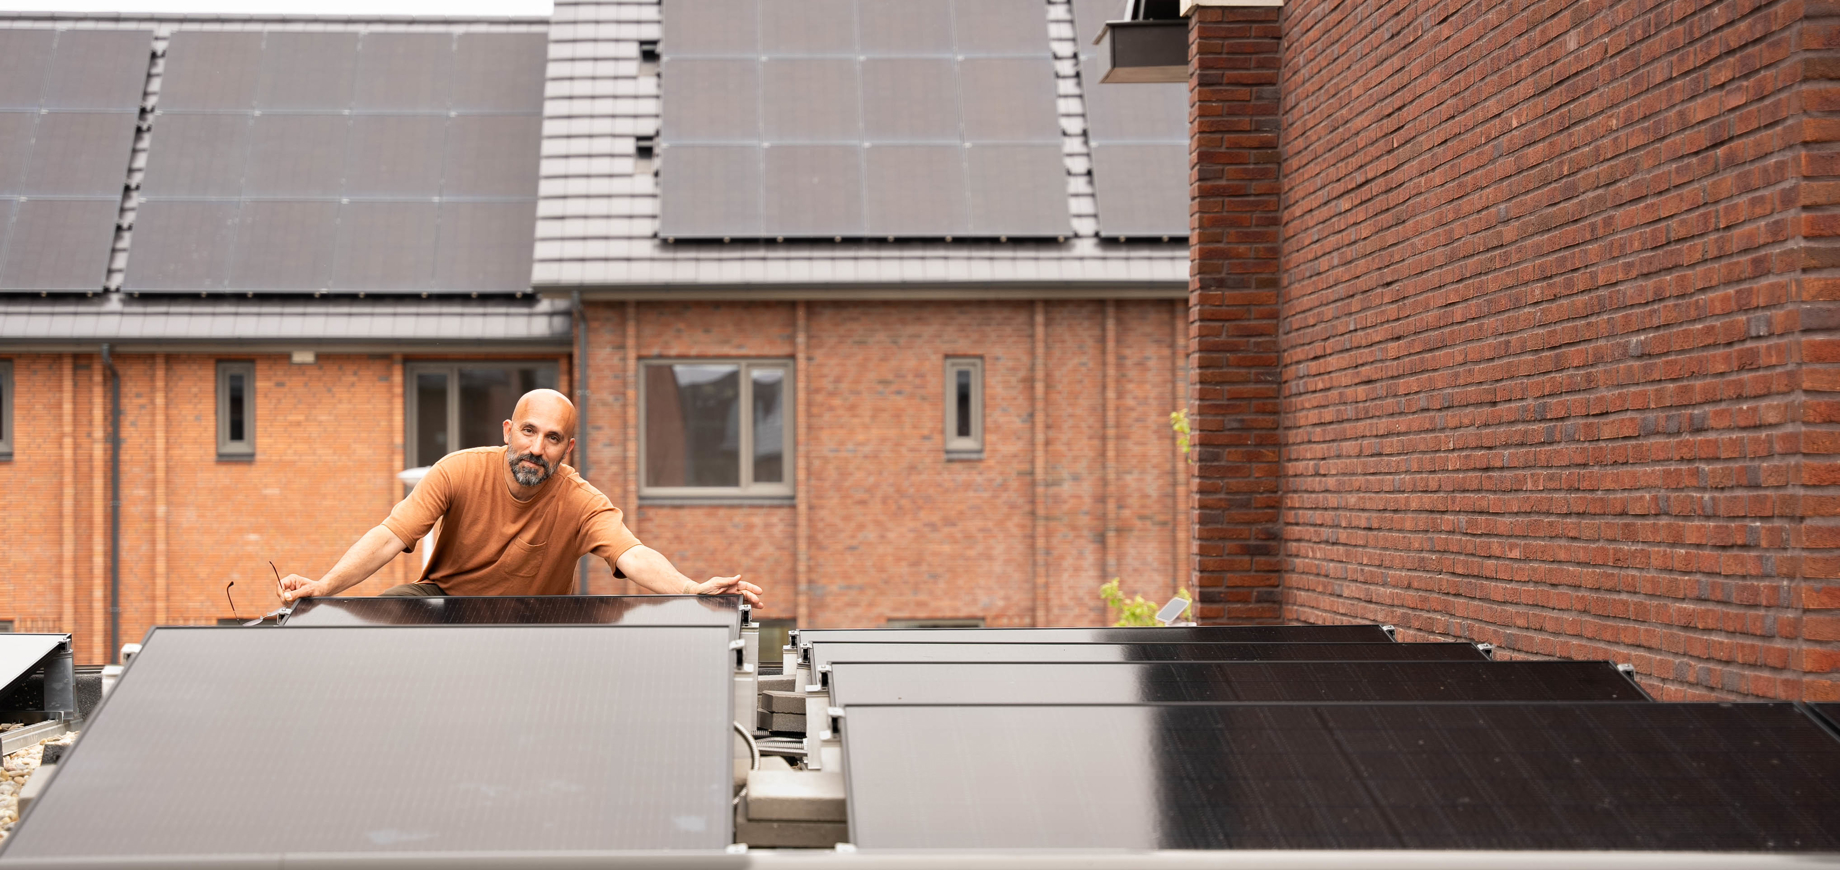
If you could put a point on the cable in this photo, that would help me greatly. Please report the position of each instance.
(753, 748)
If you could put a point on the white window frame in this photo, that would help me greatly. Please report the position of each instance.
(956, 446)
(747, 489)
(246, 447)
(451, 368)
(6, 409)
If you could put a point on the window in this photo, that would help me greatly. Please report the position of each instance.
(453, 406)
(968, 622)
(236, 410)
(965, 407)
(6, 626)
(716, 428)
(6, 410)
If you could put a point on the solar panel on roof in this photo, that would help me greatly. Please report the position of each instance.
(491, 72)
(25, 54)
(211, 71)
(306, 71)
(386, 246)
(774, 111)
(1636, 776)
(1139, 136)
(467, 745)
(716, 610)
(484, 245)
(824, 653)
(855, 683)
(21, 653)
(198, 156)
(182, 245)
(98, 69)
(1830, 711)
(393, 156)
(52, 244)
(283, 245)
(1186, 634)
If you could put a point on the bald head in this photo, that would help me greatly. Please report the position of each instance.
(546, 406)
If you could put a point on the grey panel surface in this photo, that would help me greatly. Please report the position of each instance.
(211, 71)
(396, 156)
(808, 27)
(808, 100)
(726, 106)
(296, 155)
(435, 704)
(307, 71)
(813, 190)
(98, 69)
(934, 683)
(1000, 26)
(80, 154)
(1636, 776)
(403, 72)
(825, 653)
(714, 190)
(386, 246)
(1009, 99)
(913, 99)
(719, 27)
(182, 245)
(1184, 634)
(499, 72)
(1018, 190)
(723, 611)
(284, 245)
(484, 246)
(25, 55)
(16, 130)
(1142, 190)
(891, 27)
(197, 155)
(59, 244)
(915, 190)
(21, 653)
(492, 155)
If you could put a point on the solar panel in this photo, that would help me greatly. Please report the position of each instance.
(1188, 634)
(24, 57)
(410, 740)
(98, 69)
(791, 118)
(1738, 777)
(20, 654)
(1139, 136)
(80, 154)
(934, 683)
(824, 653)
(410, 138)
(1830, 711)
(53, 244)
(648, 610)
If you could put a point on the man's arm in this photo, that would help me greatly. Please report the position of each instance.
(371, 552)
(650, 569)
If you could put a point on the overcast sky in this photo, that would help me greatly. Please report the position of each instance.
(464, 8)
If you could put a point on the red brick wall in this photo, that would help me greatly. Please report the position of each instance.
(1556, 331)
(1233, 315)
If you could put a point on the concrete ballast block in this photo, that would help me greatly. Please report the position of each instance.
(796, 796)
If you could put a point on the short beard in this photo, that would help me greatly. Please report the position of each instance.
(524, 476)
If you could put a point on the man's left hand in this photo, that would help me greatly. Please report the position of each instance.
(728, 586)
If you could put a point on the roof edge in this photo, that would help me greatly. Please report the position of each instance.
(990, 291)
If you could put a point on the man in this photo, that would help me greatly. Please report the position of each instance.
(513, 526)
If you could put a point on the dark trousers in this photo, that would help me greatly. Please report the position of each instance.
(414, 590)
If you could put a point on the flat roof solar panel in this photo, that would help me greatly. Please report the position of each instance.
(477, 739)
(211, 71)
(1830, 711)
(934, 683)
(59, 244)
(20, 654)
(644, 610)
(1183, 634)
(1596, 776)
(824, 653)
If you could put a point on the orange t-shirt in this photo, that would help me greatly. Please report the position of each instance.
(493, 544)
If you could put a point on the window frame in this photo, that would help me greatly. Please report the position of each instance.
(748, 489)
(6, 410)
(960, 447)
(244, 449)
(451, 368)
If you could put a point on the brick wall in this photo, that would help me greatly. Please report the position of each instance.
(1557, 331)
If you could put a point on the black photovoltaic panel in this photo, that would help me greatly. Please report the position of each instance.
(1225, 682)
(668, 610)
(1831, 711)
(383, 163)
(1740, 777)
(854, 118)
(69, 100)
(1139, 136)
(21, 653)
(824, 653)
(263, 743)
(1183, 634)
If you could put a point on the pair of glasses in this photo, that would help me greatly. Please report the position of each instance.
(279, 593)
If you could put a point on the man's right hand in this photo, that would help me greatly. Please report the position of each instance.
(295, 587)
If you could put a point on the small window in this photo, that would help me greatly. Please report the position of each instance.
(236, 410)
(716, 428)
(965, 407)
(453, 406)
(968, 622)
(6, 626)
(6, 410)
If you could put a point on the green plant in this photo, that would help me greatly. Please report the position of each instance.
(1178, 420)
(1135, 611)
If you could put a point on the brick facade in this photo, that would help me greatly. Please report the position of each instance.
(1555, 329)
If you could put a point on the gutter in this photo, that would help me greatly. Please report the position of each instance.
(985, 291)
(114, 503)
